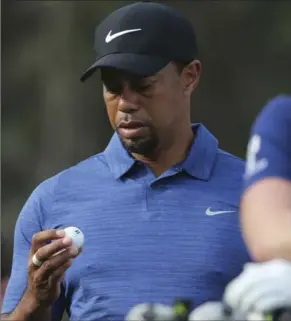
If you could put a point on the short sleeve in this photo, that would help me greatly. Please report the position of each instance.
(29, 222)
(269, 146)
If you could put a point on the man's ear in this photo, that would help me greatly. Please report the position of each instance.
(191, 74)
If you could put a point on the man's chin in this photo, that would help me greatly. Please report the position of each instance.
(139, 145)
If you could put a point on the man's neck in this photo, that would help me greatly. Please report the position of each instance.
(165, 158)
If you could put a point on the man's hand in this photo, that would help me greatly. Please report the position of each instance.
(50, 256)
(55, 253)
(44, 281)
(260, 288)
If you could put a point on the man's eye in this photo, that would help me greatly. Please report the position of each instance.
(142, 87)
(113, 88)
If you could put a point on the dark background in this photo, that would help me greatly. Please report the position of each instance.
(51, 121)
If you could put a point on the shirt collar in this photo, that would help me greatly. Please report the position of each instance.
(202, 155)
(118, 159)
(198, 164)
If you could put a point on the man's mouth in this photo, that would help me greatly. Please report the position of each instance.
(131, 129)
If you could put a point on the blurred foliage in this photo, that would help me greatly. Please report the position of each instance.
(51, 121)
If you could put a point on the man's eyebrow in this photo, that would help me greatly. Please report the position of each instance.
(151, 79)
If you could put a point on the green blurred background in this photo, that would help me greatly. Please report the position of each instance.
(51, 121)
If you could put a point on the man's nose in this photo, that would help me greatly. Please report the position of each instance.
(129, 100)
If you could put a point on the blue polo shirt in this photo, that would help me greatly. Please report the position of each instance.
(148, 239)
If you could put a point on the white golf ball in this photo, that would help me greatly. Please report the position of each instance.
(76, 235)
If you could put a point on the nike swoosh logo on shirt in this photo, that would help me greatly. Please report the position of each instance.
(110, 37)
(209, 212)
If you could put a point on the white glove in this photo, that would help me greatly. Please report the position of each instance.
(260, 288)
(209, 311)
(145, 311)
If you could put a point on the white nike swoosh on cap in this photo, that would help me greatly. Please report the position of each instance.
(209, 212)
(110, 37)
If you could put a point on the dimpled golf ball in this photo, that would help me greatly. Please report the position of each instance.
(76, 235)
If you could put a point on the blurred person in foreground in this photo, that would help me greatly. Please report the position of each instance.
(266, 213)
(6, 263)
(158, 208)
(266, 200)
(263, 290)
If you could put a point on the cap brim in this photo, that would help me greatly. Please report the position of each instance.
(140, 65)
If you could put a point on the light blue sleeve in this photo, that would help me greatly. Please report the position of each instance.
(29, 222)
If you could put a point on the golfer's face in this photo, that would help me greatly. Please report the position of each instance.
(140, 109)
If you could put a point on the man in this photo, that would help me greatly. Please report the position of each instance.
(158, 207)
(6, 262)
(266, 215)
(266, 201)
(264, 287)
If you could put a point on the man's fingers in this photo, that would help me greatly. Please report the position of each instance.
(43, 237)
(45, 252)
(58, 275)
(54, 263)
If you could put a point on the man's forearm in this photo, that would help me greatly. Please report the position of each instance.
(268, 239)
(266, 219)
(277, 244)
(27, 310)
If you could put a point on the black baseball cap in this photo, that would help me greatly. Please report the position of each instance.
(143, 38)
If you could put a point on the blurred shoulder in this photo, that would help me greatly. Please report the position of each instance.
(274, 120)
(93, 168)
